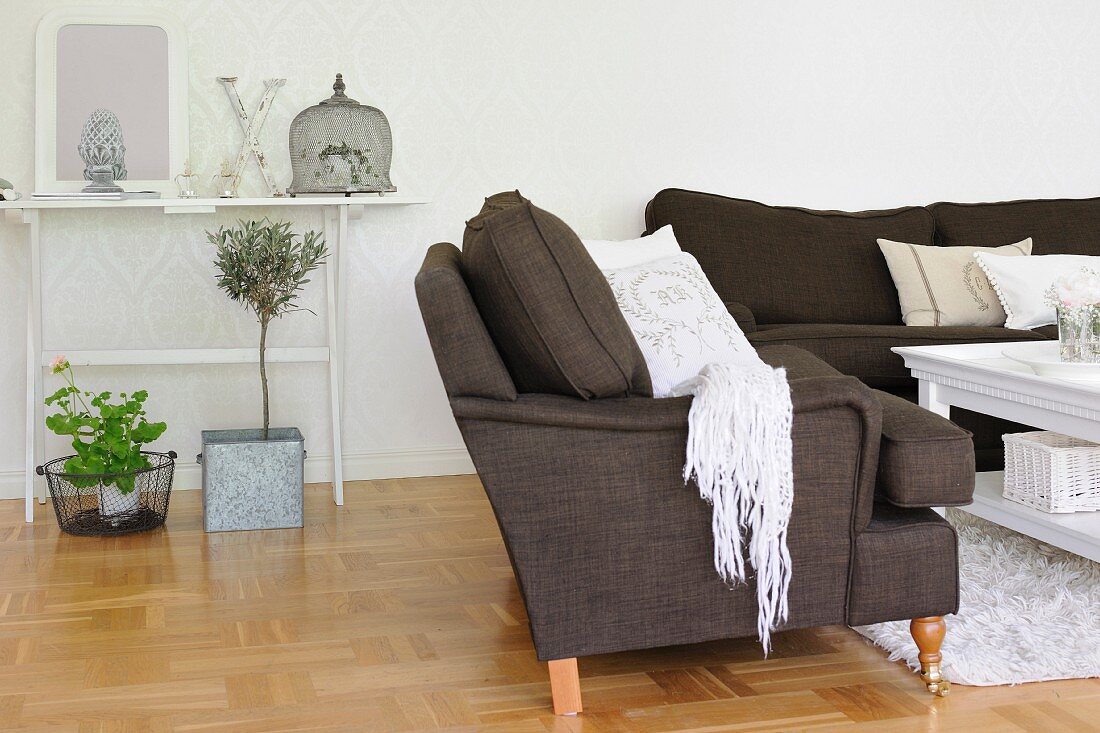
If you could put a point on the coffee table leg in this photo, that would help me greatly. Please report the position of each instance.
(929, 400)
(927, 393)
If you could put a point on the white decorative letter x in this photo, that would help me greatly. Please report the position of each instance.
(252, 128)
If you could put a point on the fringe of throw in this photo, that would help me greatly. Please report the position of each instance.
(739, 453)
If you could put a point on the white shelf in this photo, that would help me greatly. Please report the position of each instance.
(209, 205)
(141, 357)
(1078, 532)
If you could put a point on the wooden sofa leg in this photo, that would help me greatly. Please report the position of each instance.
(565, 686)
(928, 633)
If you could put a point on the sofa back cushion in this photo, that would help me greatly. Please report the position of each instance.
(1056, 226)
(792, 265)
(547, 306)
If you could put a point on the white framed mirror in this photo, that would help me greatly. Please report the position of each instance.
(131, 62)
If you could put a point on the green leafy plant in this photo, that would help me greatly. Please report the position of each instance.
(354, 158)
(264, 266)
(107, 436)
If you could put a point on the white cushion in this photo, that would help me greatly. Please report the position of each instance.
(679, 322)
(944, 286)
(1022, 282)
(614, 255)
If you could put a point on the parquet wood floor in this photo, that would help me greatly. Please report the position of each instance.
(398, 612)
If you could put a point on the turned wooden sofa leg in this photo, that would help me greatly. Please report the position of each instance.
(928, 632)
(565, 686)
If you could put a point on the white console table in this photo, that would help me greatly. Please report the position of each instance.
(337, 211)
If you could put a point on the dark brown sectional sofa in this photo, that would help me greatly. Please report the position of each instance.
(584, 469)
(817, 279)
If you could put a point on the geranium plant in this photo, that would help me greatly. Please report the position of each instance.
(107, 434)
(263, 266)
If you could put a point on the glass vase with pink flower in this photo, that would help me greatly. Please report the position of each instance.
(1076, 301)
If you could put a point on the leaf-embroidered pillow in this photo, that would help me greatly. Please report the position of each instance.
(944, 286)
(679, 322)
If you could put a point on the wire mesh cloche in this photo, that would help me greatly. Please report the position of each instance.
(340, 146)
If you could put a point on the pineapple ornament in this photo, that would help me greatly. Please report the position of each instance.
(103, 152)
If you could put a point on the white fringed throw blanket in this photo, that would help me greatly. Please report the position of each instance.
(739, 428)
(739, 453)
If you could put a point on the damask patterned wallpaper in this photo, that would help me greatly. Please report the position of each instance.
(587, 107)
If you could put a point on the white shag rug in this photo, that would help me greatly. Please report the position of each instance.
(1028, 612)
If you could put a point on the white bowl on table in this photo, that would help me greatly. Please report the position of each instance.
(1043, 358)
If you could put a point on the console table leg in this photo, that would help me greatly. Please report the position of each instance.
(335, 227)
(35, 430)
(342, 290)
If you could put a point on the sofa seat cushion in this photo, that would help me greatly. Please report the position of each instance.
(1049, 332)
(1056, 226)
(791, 265)
(924, 460)
(906, 566)
(547, 306)
(864, 350)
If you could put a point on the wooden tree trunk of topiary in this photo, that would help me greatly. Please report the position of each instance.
(263, 372)
(263, 265)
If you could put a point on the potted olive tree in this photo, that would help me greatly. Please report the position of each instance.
(253, 478)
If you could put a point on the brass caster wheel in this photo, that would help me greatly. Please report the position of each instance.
(940, 689)
(934, 681)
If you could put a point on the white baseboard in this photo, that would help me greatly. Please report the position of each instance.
(360, 466)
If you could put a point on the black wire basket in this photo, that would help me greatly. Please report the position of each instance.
(92, 505)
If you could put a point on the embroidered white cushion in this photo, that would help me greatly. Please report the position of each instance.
(944, 286)
(678, 320)
(615, 255)
(1021, 284)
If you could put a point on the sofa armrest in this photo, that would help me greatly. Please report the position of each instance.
(925, 460)
(606, 540)
(742, 314)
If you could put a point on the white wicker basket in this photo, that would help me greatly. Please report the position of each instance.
(1051, 472)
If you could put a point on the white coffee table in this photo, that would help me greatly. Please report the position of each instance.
(978, 377)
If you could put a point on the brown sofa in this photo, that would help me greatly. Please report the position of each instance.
(817, 279)
(610, 549)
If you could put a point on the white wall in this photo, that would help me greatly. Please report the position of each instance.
(589, 108)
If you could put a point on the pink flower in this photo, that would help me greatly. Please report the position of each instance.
(1081, 288)
(59, 364)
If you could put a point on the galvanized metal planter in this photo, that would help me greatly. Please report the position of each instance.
(251, 483)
